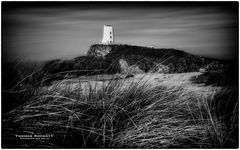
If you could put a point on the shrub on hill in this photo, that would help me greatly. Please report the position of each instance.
(148, 58)
(79, 66)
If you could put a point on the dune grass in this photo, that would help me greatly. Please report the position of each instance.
(120, 115)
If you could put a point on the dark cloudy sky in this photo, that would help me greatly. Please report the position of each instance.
(44, 30)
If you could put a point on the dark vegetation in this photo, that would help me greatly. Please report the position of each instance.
(17, 83)
(148, 58)
(79, 66)
(219, 74)
(225, 105)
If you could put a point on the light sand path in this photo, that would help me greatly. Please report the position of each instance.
(86, 84)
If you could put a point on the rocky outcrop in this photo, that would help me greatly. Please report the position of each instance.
(99, 50)
(130, 70)
(159, 68)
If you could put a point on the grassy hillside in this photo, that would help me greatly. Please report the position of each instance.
(145, 59)
(149, 59)
(83, 65)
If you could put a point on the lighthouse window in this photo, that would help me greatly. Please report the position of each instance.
(110, 36)
(110, 32)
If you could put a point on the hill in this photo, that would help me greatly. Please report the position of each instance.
(151, 59)
(125, 59)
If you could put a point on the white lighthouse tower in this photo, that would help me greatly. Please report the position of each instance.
(107, 34)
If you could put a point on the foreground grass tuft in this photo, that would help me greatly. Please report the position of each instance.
(134, 115)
